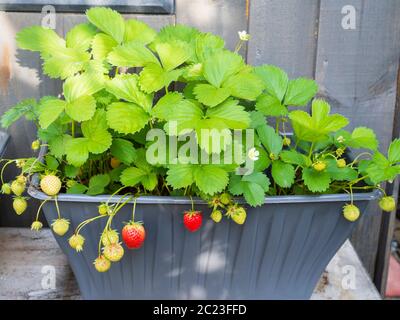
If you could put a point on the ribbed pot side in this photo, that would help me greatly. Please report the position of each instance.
(279, 253)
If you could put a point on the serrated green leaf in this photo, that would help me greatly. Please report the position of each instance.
(300, 91)
(126, 117)
(123, 150)
(316, 181)
(362, 137)
(102, 45)
(394, 151)
(81, 85)
(209, 95)
(153, 77)
(80, 37)
(263, 161)
(132, 54)
(380, 169)
(41, 39)
(77, 151)
(252, 186)
(50, 110)
(71, 171)
(294, 157)
(283, 173)
(341, 174)
(270, 106)
(210, 179)
(244, 85)
(172, 54)
(275, 80)
(26, 107)
(254, 194)
(96, 133)
(136, 30)
(77, 188)
(166, 105)
(180, 176)
(231, 114)
(270, 139)
(81, 109)
(108, 21)
(57, 145)
(219, 66)
(51, 162)
(132, 176)
(206, 44)
(126, 87)
(97, 184)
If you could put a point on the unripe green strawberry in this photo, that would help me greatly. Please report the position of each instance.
(103, 209)
(273, 156)
(286, 141)
(21, 179)
(102, 264)
(216, 215)
(6, 188)
(319, 166)
(76, 242)
(70, 183)
(17, 188)
(109, 237)
(341, 163)
(36, 225)
(239, 216)
(387, 204)
(351, 212)
(19, 205)
(50, 185)
(60, 226)
(225, 198)
(35, 145)
(113, 252)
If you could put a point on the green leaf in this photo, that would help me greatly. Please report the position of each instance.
(51, 162)
(123, 150)
(153, 77)
(71, 171)
(294, 157)
(300, 91)
(108, 21)
(126, 117)
(27, 108)
(102, 45)
(252, 186)
(275, 80)
(80, 37)
(341, 174)
(244, 85)
(41, 39)
(77, 188)
(166, 105)
(132, 54)
(77, 151)
(180, 176)
(133, 176)
(270, 106)
(394, 151)
(219, 66)
(57, 145)
(270, 139)
(172, 54)
(362, 137)
(136, 30)
(126, 87)
(209, 95)
(97, 184)
(95, 130)
(263, 161)
(81, 85)
(283, 173)
(210, 179)
(230, 114)
(316, 181)
(81, 109)
(316, 127)
(50, 110)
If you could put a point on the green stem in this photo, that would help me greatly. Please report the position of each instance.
(57, 207)
(40, 207)
(2, 170)
(73, 129)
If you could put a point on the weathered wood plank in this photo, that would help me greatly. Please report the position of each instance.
(283, 34)
(222, 17)
(24, 255)
(356, 71)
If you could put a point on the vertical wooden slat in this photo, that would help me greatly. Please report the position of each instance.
(283, 34)
(356, 71)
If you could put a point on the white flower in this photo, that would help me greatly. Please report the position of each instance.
(253, 154)
(243, 35)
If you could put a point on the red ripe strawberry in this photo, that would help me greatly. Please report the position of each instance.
(192, 220)
(133, 235)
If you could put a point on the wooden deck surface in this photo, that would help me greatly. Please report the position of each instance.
(25, 257)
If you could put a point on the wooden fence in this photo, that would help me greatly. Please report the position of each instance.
(351, 47)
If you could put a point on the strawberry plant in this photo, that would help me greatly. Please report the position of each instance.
(124, 83)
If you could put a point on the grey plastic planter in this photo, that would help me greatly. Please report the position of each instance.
(279, 253)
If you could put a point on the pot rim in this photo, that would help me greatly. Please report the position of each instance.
(34, 192)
